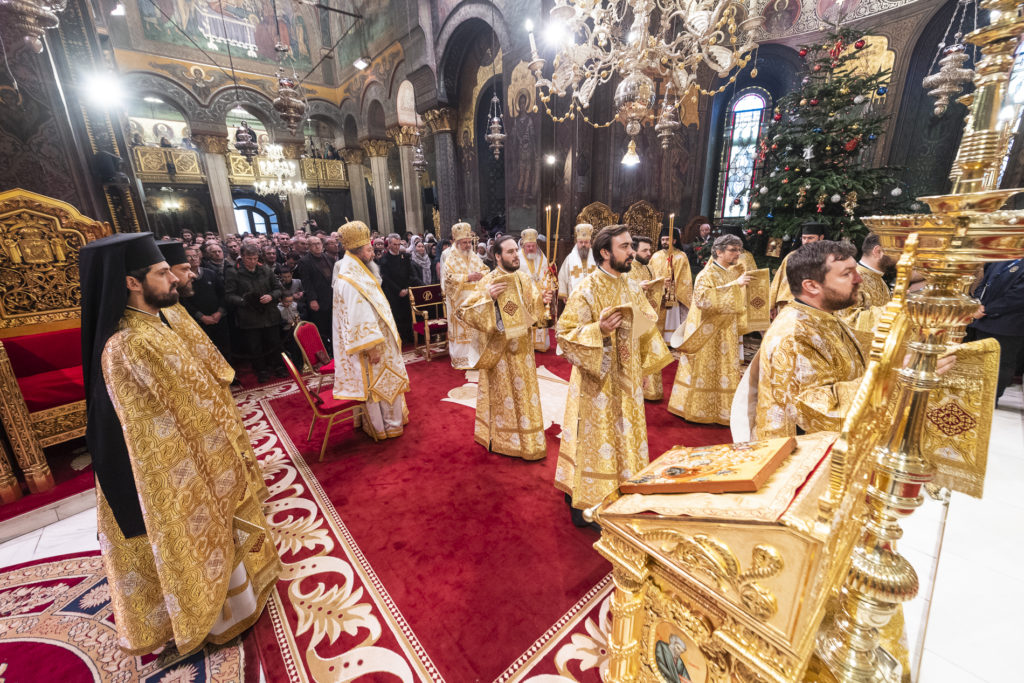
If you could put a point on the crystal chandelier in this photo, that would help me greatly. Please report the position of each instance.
(666, 42)
(245, 141)
(30, 19)
(288, 104)
(495, 136)
(952, 76)
(419, 159)
(282, 175)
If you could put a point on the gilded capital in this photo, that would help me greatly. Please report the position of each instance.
(441, 120)
(292, 150)
(403, 136)
(211, 144)
(351, 155)
(376, 148)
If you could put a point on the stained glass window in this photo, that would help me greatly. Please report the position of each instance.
(739, 165)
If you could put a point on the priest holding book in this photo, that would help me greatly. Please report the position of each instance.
(654, 289)
(709, 367)
(608, 332)
(503, 310)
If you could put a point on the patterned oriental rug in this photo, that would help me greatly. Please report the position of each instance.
(56, 625)
(426, 557)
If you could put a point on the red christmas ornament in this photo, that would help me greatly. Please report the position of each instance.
(817, 67)
(774, 147)
(760, 232)
(777, 117)
(786, 169)
(803, 51)
(859, 44)
(852, 144)
(785, 180)
(814, 103)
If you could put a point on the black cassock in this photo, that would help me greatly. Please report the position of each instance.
(397, 273)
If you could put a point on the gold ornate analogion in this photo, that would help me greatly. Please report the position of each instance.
(696, 587)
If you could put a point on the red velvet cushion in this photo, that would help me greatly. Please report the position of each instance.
(51, 389)
(435, 326)
(328, 404)
(33, 353)
(327, 368)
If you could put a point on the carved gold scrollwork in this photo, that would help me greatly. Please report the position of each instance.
(598, 215)
(642, 218)
(716, 560)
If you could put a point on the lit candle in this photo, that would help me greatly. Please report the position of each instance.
(533, 43)
(558, 221)
(547, 232)
(671, 232)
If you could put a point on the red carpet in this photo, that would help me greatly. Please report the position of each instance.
(56, 625)
(471, 555)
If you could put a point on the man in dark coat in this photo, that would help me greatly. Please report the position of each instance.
(1001, 315)
(315, 270)
(398, 275)
(207, 305)
(253, 291)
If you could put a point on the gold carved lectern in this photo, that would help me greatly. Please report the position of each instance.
(798, 581)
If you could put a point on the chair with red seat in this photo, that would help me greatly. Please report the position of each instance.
(314, 355)
(427, 304)
(325, 406)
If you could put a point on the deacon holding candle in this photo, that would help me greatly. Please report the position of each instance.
(671, 263)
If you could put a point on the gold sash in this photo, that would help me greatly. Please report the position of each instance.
(756, 316)
(516, 317)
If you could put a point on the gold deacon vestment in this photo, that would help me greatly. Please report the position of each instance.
(536, 266)
(779, 292)
(653, 386)
(207, 353)
(874, 294)
(463, 345)
(509, 419)
(811, 366)
(669, 319)
(362, 321)
(709, 367)
(604, 435)
(747, 261)
(207, 563)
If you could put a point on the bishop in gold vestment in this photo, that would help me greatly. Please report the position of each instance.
(508, 410)
(368, 363)
(709, 367)
(535, 263)
(460, 278)
(193, 562)
(654, 290)
(604, 436)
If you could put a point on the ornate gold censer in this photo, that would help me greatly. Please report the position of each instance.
(801, 590)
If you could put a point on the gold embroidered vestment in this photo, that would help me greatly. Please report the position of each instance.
(604, 437)
(462, 339)
(653, 386)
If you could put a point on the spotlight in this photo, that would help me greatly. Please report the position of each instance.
(361, 63)
(550, 159)
(556, 34)
(528, 25)
(631, 158)
(103, 90)
(118, 10)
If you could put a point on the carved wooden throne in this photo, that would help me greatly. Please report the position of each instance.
(643, 219)
(42, 395)
(597, 214)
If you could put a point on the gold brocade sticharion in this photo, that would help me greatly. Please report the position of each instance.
(653, 386)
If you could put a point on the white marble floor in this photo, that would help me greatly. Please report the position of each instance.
(973, 621)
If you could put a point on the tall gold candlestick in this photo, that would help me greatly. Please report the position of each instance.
(671, 232)
(547, 233)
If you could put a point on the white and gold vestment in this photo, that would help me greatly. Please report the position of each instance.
(674, 266)
(604, 436)
(536, 267)
(572, 272)
(463, 346)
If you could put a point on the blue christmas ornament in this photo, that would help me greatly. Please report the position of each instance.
(872, 136)
(882, 90)
(770, 214)
(817, 130)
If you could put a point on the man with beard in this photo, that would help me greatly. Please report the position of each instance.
(779, 294)
(253, 291)
(315, 271)
(672, 264)
(507, 302)
(654, 290)
(535, 264)
(874, 292)
(709, 367)
(368, 363)
(811, 362)
(398, 275)
(221, 373)
(461, 272)
(604, 436)
(185, 547)
(578, 264)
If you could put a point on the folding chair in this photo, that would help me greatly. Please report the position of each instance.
(314, 354)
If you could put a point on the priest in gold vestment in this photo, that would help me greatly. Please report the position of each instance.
(654, 289)
(185, 546)
(461, 273)
(508, 410)
(535, 264)
(779, 294)
(608, 332)
(709, 367)
(210, 356)
(874, 291)
(368, 363)
(672, 264)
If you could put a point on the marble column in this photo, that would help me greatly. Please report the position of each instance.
(405, 138)
(356, 183)
(377, 150)
(296, 200)
(442, 125)
(214, 149)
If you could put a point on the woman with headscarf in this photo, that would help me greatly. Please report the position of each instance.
(421, 260)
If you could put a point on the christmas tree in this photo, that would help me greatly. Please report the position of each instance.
(815, 149)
